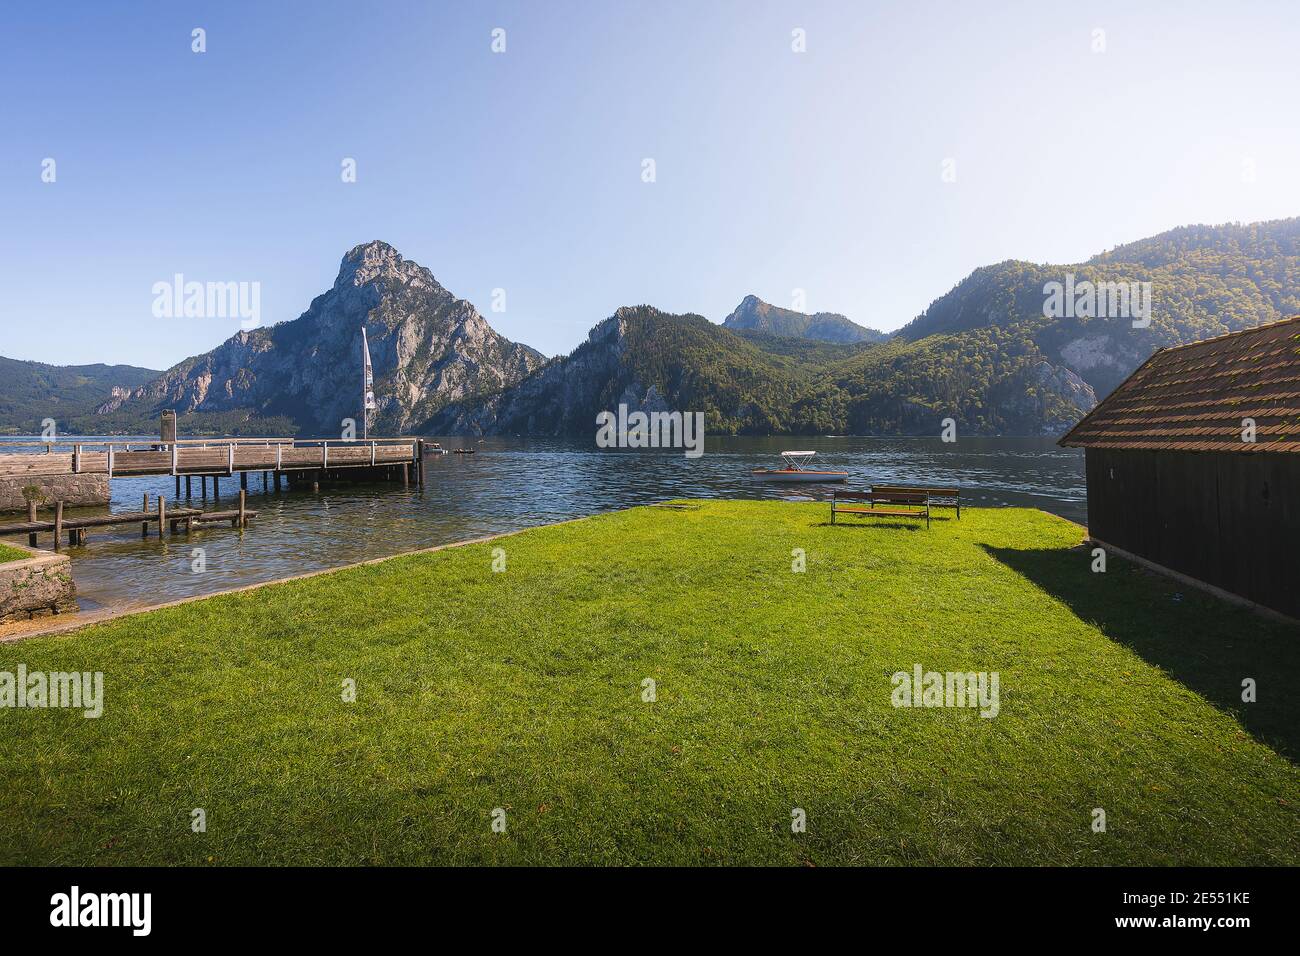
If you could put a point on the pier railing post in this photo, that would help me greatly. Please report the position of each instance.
(76, 459)
(175, 457)
(110, 461)
(230, 458)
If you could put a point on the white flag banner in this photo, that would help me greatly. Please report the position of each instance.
(368, 371)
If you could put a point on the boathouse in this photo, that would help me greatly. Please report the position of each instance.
(1193, 464)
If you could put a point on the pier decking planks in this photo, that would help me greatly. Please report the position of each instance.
(208, 460)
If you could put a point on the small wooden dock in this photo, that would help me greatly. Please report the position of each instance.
(177, 519)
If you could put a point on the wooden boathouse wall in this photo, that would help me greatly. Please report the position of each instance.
(1226, 518)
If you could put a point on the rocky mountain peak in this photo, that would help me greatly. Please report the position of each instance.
(611, 330)
(376, 261)
(427, 348)
(755, 315)
(608, 329)
(375, 253)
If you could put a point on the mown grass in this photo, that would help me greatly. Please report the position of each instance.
(8, 554)
(522, 690)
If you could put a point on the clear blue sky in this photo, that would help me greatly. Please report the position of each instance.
(775, 170)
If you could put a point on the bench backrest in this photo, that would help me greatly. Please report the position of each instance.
(841, 494)
(917, 490)
(901, 497)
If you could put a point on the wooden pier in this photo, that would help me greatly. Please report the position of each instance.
(210, 457)
(59, 471)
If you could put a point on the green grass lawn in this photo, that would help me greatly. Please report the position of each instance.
(8, 554)
(522, 690)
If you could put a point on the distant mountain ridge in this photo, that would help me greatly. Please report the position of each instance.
(753, 314)
(428, 348)
(754, 383)
(983, 354)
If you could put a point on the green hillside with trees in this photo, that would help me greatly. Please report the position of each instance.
(1205, 281)
(31, 392)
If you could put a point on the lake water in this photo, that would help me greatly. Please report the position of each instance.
(517, 483)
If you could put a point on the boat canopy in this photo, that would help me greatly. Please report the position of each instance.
(794, 459)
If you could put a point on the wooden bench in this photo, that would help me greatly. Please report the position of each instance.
(947, 497)
(893, 504)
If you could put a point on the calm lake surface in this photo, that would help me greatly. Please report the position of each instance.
(517, 483)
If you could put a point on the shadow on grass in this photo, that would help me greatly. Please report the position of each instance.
(886, 525)
(1207, 645)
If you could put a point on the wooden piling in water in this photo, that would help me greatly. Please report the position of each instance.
(216, 488)
(243, 518)
(243, 481)
(178, 487)
(162, 515)
(144, 525)
(203, 479)
(58, 523)
(188, 488)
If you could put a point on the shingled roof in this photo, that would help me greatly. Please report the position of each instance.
(1194, 397)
